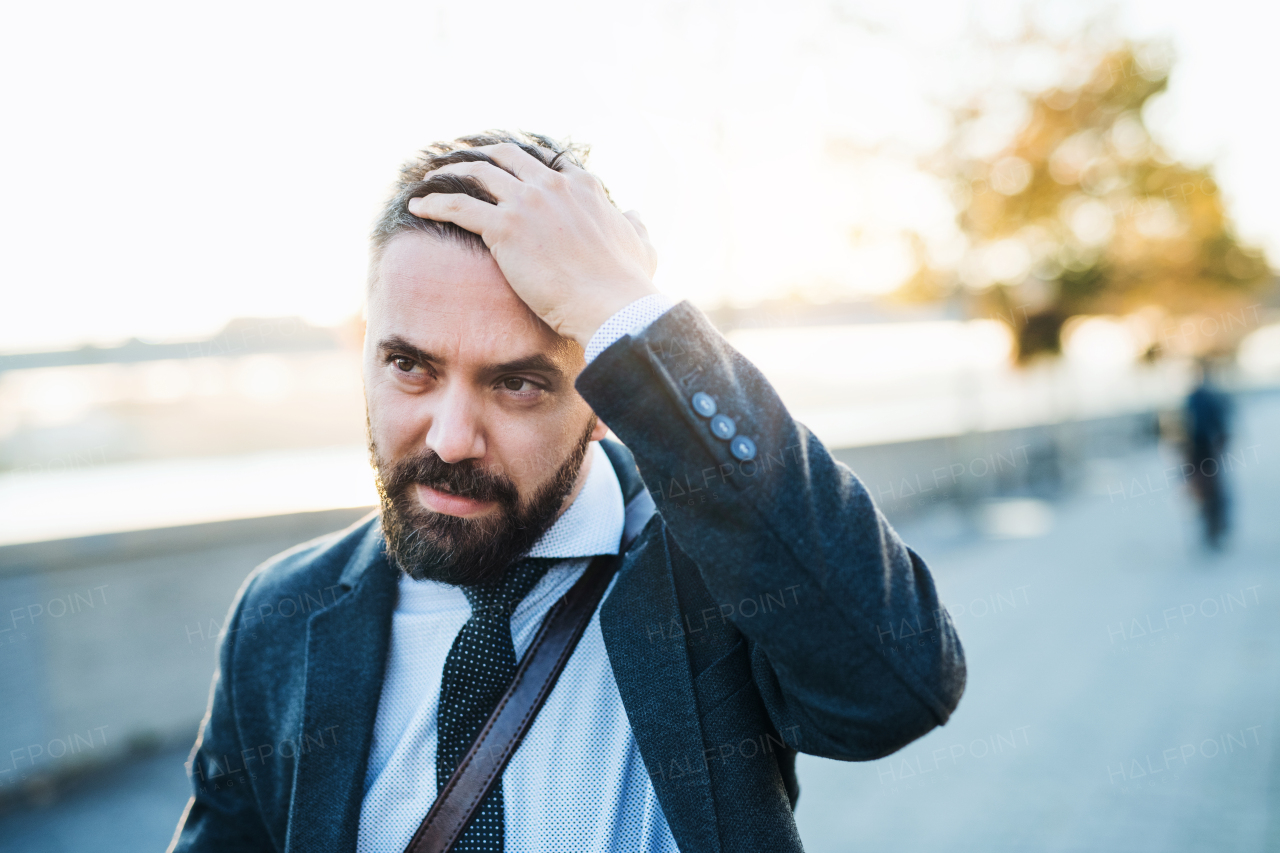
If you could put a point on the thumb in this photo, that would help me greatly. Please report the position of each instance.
(651, 260)
(633, 217)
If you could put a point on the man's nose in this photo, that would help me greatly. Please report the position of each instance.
(455, 432)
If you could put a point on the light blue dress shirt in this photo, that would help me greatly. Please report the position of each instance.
(577, 781)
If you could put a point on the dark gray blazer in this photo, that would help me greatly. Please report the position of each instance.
(767, 608)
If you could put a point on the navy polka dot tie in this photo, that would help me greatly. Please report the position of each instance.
(480, 666)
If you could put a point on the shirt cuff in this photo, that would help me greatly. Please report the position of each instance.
(631, 320)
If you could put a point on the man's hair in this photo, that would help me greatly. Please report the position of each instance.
(416, 180)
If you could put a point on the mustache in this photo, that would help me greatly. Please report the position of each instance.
(454, 550)
(466, 479)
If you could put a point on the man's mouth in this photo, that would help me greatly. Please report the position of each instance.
(446, 503)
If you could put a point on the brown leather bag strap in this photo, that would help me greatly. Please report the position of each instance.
(498, 739)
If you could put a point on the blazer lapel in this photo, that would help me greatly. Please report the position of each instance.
(651, 667)
(347, 646)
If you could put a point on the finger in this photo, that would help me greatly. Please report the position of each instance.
(521, 163)
(500, 183)
(462, 210)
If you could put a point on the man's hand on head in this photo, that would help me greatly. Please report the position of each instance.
(572, 256)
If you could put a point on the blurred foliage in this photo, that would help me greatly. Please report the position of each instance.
(1083, 213)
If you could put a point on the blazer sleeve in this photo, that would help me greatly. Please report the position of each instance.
(851, 650)
(223, 812)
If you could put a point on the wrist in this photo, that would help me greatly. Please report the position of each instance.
(586, 317)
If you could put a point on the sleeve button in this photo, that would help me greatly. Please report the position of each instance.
(723, 427)
(743, 448)
(704, 404)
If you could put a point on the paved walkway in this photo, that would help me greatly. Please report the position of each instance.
(1122, 683)
(129, 809)
(1122, 692)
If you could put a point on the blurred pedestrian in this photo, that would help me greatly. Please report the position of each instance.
(1208, 413)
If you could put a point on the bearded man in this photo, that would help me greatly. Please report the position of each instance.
(547, 640)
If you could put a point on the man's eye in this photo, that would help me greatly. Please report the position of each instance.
(515, 384)
(404, 365)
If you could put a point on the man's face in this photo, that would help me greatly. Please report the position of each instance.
(476, 430)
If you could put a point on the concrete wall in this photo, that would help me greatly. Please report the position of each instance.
(107, 643)
(1041, 461)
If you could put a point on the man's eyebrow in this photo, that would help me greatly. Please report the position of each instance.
(537, 362)
(395, 343)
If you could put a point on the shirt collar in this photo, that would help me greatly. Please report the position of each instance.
(593, 522)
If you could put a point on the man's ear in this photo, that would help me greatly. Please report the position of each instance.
(600, 430)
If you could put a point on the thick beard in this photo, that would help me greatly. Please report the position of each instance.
(465, 551)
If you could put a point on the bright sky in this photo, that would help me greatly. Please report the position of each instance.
(170, 166)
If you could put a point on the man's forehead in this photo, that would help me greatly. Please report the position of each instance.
(419, 266)
(454, 302)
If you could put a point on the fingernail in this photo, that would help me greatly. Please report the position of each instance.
(414, 204)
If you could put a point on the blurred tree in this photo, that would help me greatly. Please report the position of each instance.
(1083, 213)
